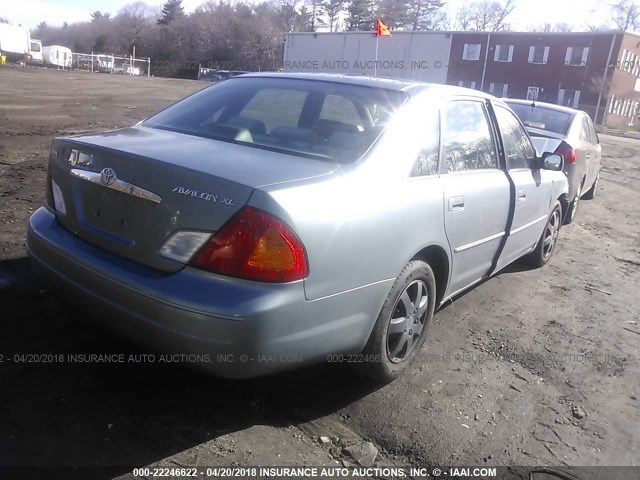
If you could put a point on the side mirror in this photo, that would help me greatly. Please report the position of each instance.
(552, 161)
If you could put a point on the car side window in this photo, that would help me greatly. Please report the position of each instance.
(585, 131)
(594, 134)
(466, 137)
(518, 151)
(275, 107)
(427, 161)
(339, 108)
(591, 133)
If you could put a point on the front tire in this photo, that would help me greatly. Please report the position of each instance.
(401, 327)
(548, 240)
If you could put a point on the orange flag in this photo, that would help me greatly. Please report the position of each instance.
(381, 29)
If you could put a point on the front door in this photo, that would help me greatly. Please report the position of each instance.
(532, 195)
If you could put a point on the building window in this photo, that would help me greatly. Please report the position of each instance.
(471, 51)
(576, 56)
(466, 84)
(611, 104)
(538, 55)
(569, 98)
(498, 89)
(503, 53)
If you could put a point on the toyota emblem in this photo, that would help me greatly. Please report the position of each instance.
(108, 176)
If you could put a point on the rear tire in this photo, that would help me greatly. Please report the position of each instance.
(573, 206)
(548, 240)
(401, 327)
(591, 193)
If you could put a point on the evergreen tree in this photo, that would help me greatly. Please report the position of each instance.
(172, 10)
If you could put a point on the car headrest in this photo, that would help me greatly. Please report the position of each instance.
(296, 134)
(255, 126)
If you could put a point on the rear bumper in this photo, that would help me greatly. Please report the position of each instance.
(231, 327)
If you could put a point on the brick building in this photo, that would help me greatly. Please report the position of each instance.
(597, 72)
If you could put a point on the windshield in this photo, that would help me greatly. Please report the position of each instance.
(542, 117)
(326, 120)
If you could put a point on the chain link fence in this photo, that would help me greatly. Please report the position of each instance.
(104, 63)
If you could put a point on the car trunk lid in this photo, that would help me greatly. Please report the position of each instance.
(128, 191)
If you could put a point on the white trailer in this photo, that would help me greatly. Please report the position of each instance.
(420, 56)
(57, 55)
(14, 41)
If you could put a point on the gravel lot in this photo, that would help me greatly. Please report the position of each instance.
(533, 367)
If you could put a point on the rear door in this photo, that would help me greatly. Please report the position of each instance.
(476, 191)
(594, 150)
(532, 190)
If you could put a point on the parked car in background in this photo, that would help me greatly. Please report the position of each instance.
(86, 62)
(105, 63)
(570, 133)
(212, 76)
(127, 69)
(275, 220)
(216, 76)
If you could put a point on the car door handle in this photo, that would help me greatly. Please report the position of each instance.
(456, 204)
(522, 195)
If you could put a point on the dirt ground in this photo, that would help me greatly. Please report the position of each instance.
(533, 367)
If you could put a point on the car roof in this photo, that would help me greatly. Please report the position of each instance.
(387, 83)
(550, 106)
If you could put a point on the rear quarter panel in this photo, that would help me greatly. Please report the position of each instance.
(358, 231)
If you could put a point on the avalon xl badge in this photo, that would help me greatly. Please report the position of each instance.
(209, 197)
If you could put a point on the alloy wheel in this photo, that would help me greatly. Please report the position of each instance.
(407, 321)
(551, 234)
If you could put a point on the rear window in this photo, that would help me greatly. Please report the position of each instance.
(308, 118)
(542, 117)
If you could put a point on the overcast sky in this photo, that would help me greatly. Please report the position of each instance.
(528, 12)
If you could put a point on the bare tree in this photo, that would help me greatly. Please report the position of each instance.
(361, 15)
(626, 15)
(548, 27)
(393, 12)
(485, 16)
(603, 27)
(333, 9)
(426, 15)
(316, 10)
(134, 23)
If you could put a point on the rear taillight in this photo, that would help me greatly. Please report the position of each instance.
(256, 246)
(569, 154)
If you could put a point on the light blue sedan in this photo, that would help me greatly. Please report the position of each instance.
(276, 220)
